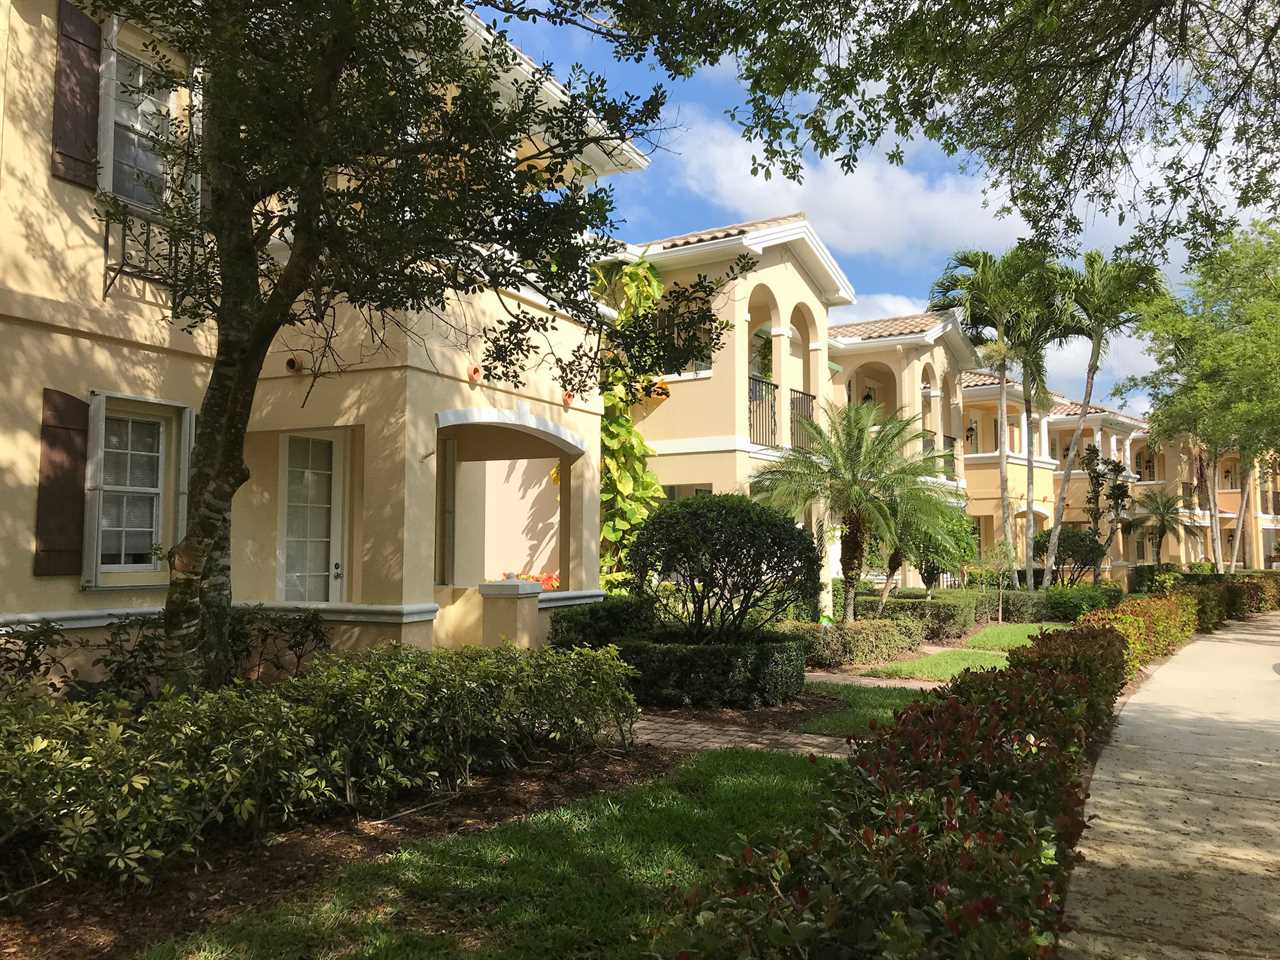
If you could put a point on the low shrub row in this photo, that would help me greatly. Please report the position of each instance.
(946, 615)
(1151, 626)
(672, 674)
(948, 834)
(828, 645)
(98, 788)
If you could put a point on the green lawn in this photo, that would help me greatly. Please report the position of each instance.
(593, 878)
(1006, 636)
(940, 666)
(864, 704)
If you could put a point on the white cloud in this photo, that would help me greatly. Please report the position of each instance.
(1127, 357)
(884, 210)
(874, 306)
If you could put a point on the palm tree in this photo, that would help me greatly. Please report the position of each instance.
(929, 525)
(852, 472)
(991, 293)
(1103, 298)
(1044, 323)
(1162, 516)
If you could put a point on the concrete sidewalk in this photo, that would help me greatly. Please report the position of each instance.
(1183, 858)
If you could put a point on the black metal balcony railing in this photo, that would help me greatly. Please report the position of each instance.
(762, 411)
(801, 410)
(1275, 502)
(930, 441)
(949, 457)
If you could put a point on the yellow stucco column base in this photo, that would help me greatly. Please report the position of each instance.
(511, 613)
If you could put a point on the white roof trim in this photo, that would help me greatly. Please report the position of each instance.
(834, 288)
(521, 420)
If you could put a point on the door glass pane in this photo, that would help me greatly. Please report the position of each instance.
(309, 519)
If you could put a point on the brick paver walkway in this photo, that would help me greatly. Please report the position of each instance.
(1182, 861)
(855, 680)
(692, 735)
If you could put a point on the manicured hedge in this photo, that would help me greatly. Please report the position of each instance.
(948, 834)
(749, 675)
(946, 615)
(95, 788)
(1151, 626)
(865, 641)
(613, 620)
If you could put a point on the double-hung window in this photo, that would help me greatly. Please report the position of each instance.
(130, 517)
(135, 114)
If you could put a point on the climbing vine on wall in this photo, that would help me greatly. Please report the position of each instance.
(629, 490)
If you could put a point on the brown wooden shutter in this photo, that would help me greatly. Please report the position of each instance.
(64, 445)
(75, 97)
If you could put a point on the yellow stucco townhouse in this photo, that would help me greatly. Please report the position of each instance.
(783, 360)
(393, 500)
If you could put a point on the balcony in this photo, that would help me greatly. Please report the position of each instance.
(762, 411)
(801, 410)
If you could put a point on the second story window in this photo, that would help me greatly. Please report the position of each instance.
(140, 122)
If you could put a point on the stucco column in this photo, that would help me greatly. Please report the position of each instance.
(579, 523)
(1128, 452)
(781, 344)
(1113, 444)
(510, 612)
(959, 428)
(1044, 436)
(1024, 433)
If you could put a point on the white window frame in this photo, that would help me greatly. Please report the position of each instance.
(91, 566)
(158, 512)
(107, 77)
(337, 514)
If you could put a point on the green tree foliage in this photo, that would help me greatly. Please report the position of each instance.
(860, 473)
(370, 163)
(1162, 113)
(1163, 515)
(1216, 353)
(1104, 299)
(1107, 500)
(1077, 554)
(999, 297)
(930, 530)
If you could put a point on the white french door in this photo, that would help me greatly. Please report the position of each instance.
(311, 545)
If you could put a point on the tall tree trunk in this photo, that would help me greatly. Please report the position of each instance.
(1215, 518)
(894, 565)
(197, 612)
(1241, 514)
(1002, 448)
(853, 548)
(1060, 508)
(1029, 537)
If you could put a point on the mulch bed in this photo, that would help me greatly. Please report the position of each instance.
(91, 922)
(786, 716)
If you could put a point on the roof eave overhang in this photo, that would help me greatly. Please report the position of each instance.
(830, 282)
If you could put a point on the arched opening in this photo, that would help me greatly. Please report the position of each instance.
(500, 484)
(873, 382)
(762, 378)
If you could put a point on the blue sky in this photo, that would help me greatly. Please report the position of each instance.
(891, 228)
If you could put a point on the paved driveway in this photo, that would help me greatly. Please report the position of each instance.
(1183, 860)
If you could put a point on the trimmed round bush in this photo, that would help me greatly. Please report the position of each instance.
(723, 565)
(865, 641)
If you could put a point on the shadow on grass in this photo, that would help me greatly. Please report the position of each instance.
(597, 877)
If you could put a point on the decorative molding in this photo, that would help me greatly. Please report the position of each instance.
(686, 376)
(329, 612)
(521, 420)
(1017, 458)
(727, 443)
(568, 598)
(510, 588)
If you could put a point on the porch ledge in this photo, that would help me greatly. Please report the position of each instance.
(510, 588)
(569, 598)
(329, 612)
